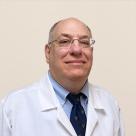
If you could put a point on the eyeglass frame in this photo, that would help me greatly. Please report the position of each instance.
(71, 42)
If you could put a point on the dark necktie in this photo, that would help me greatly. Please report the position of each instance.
(77, 116)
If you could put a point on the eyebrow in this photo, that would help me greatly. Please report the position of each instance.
(70, 36)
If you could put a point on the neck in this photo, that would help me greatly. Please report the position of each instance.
(71, 85)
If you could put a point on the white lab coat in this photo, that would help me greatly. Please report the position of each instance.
(36, 111)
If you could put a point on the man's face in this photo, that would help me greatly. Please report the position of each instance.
(75, 62)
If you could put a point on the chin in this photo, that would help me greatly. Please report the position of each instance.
(77, 75)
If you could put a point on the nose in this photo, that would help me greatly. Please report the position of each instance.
(75, 48)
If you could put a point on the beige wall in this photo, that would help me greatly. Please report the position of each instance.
(24, 27)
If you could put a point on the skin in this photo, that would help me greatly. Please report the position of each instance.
(71, 67)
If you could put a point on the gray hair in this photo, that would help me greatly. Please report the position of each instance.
(52, 30)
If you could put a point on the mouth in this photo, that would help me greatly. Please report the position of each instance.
(75, 62)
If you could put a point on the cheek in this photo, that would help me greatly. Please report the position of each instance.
(57, 56)
(89, 55)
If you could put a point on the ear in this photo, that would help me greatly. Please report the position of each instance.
(47, 52)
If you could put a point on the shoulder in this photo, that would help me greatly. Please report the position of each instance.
(101, 92)
(28, 96)
(27, 92)
(20, 96)
(103, 97)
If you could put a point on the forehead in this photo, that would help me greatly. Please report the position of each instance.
(71, 27)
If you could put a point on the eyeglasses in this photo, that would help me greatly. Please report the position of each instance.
(67, 42)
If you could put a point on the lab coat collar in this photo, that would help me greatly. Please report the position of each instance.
(51, 100)
(47, 96)
(95, 97)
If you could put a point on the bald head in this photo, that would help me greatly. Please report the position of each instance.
(68, 21)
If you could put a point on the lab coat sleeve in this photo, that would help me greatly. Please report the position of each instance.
(5, 128)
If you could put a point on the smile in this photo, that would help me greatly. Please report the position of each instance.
(76, 62)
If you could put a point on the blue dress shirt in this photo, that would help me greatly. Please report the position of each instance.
(62, 93)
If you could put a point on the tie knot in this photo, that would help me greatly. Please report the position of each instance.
(74, 98)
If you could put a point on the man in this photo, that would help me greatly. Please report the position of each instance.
(63, 103)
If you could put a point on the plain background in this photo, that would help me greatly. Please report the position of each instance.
(24, 27)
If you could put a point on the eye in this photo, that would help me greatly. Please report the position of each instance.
(85, 42)
(64, 42)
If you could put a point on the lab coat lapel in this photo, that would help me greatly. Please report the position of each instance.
(95, 105)
(51, 102)
(92, 119)
(64, 121)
